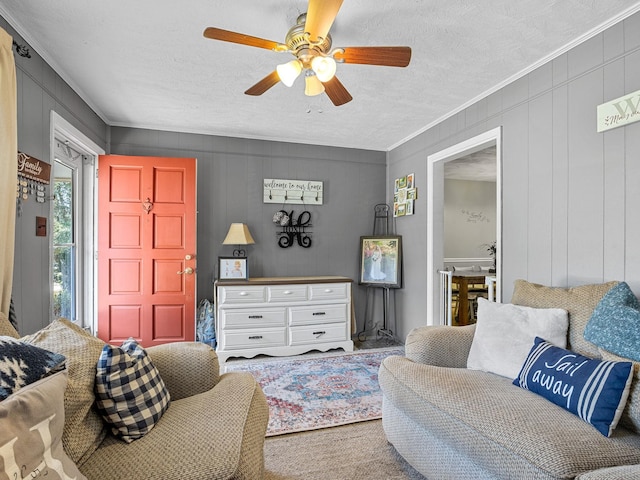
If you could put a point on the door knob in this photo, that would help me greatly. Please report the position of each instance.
(186, 271)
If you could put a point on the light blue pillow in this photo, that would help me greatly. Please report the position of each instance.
(615, 323)
(594, 390)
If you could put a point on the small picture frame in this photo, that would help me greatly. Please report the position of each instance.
(381, 261)
(233, 268)
(410, 183)
(409, 207)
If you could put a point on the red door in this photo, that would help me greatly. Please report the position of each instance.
(146, 249)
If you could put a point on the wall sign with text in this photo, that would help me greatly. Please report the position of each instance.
(301, 192)
(619, 112)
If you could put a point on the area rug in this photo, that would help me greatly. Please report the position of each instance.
(319, 392)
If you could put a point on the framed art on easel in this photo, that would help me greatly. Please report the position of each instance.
(381, 261)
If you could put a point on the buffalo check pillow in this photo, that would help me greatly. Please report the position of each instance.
(130, 395)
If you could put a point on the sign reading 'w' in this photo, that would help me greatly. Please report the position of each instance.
(619, 112)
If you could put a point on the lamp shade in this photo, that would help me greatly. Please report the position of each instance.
(313, 86)
(325, 68)
(238, 234)
(288, 72)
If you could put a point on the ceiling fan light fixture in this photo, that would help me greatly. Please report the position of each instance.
(288, 72)
(312, 86)
(324, 67)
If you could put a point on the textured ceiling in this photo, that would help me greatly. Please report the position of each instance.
(145, 63)
(479, 166)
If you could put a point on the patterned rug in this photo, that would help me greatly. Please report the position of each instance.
(312, 393)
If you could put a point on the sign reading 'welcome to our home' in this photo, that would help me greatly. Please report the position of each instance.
(619, 112)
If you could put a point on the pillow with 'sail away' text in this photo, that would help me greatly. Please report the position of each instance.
(594, 390)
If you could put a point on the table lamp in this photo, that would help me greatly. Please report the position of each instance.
(238, 234)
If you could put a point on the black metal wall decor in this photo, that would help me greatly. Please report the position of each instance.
(22, 50)
(293, 229)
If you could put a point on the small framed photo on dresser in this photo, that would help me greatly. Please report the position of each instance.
(233, 268)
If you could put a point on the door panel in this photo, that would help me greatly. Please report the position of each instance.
(146, 251)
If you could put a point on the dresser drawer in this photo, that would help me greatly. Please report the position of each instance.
(264, 337)
(254, 318)
(318, 314)
(241, 294)
(306, 335)
(287, 293)
(330, 291)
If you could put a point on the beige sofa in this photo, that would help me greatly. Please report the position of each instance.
(450, 422)
(214, 427)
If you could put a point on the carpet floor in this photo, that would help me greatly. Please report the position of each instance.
(319, 392)
(358, 451)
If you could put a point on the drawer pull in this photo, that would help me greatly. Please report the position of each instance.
(319, 333)
(318, 313)
(328, 290)
(243, 294)
(287, 292)
(255, 337)
(255, 316)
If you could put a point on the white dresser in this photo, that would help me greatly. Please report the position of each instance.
(282, 316)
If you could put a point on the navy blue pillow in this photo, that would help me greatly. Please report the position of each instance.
(594, 390)
(23, 364)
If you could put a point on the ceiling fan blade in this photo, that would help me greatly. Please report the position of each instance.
(336, 92)
(263, 85)
(320, 17)
(385, 56)
(241, 38)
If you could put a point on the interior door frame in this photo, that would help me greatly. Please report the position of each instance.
(61, 128)
(435, 225)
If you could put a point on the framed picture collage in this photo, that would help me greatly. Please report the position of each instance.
(404, 195)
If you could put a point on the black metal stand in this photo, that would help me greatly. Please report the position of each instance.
(380, 222)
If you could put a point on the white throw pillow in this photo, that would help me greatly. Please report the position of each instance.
(505, 334)
(31, 423)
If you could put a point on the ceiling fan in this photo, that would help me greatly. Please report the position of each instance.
(309, 42)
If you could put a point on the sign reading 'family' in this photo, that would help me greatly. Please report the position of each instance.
(34, 169)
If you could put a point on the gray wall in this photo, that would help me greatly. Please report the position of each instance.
(469, 218)
(230, 174)
(230, 189)
(570, 195)
(40, 90)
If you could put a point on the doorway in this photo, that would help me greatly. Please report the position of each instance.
(435, 213)
(73, 226)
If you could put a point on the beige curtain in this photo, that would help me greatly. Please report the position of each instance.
(8, 166)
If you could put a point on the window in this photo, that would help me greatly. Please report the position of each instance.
(64, 242)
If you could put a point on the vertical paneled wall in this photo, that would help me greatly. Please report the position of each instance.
(570, 194)
(40, 90)
(230, 189)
